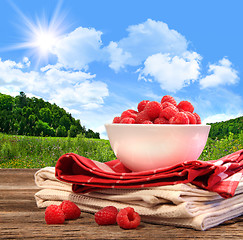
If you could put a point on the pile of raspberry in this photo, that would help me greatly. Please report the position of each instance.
(167, 111)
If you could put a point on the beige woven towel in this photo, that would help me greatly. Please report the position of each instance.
(180, 205)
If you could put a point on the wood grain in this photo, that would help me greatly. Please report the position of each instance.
(21, 219)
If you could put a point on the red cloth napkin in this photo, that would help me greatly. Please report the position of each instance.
(221, 176)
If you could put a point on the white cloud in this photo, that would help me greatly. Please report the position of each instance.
(144, 40)
(221, 117)
(78, 48)
(222, 73)
(66, 88)
(86, 94)
(172, 73)
(118, 57)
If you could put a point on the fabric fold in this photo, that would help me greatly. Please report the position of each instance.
(86, 175)
(184, 205)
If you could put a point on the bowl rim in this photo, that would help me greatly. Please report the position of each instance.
(158, 125)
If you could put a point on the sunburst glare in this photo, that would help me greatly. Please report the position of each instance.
(40, 35)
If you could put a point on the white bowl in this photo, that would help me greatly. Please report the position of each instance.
(142, 147)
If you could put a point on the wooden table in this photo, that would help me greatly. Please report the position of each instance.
(21, 219)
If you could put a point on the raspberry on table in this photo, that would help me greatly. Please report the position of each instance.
(70, 209)
(128, 120)
(141, 117)
(192, 118)
(198, 119)
(127, 218)
(168, 112)
(106, 215)
(54, 215)
(142, 105)
(161, 120)
(186, 106)
(116, 120)
(153, 109)
(129, 114)
(170, 99)
(180, 118)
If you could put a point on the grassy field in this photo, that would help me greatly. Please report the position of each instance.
(38, 152)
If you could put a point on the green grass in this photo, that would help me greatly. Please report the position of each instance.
(38, 152)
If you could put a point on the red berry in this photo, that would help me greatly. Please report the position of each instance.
(186, 106)
(128, 120)
(161, 120)
(192, 118)
(168, 112)
(153, 109)
(147, 122)
(129, 114)
(70, 209)
(171, 121)
(167, 104)
(198, 119)
(116, 120)
(142, 105)
(106, 215)
(127, 218)
(168, 98)
(180, 118)
(54, 215)
(141, 117)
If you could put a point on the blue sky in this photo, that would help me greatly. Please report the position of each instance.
(99, 58)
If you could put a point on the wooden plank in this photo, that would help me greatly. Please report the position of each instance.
(21, 219)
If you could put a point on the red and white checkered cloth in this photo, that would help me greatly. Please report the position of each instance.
(221, 176)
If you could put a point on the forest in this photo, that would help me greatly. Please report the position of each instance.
(22, 115)
(221, 129)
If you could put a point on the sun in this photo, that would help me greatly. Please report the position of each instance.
(41, 34)
(44, 40)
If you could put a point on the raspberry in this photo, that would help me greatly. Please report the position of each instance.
(192, 118)
(128, 120)
(198, 119)
(168, 112)
(141, 117)
(54, 215)
(186, 106)
(127, 218)
(142, 105)
(116, 120)
(147, 122)
(129, 114)
(153, 109)
(171, 121)
(168, 98)
(181, 118)
(167, 104)
(106, 215)
(161, 120)
(70, 209)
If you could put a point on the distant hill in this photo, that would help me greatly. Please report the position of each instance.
(21, 115)
(222, 129)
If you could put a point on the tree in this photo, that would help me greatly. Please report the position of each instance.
(61, 131)
(73, 131)
(42, 128)
(21, 100)
(6, 102)
(65, 121)
(45, 115)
